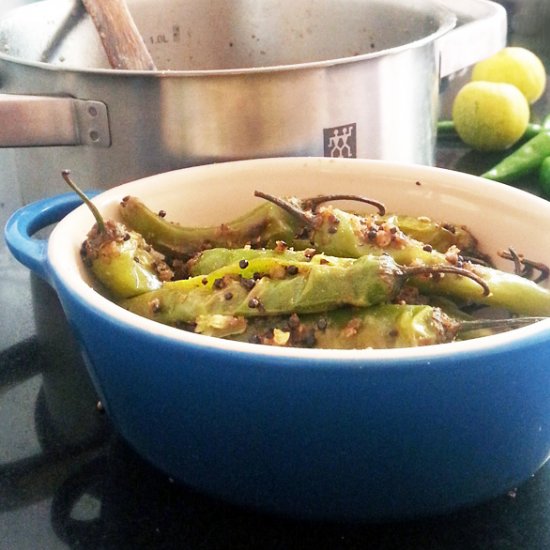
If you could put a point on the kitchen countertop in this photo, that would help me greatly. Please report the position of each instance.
(68, 481)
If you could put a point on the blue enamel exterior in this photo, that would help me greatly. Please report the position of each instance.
(325, 440)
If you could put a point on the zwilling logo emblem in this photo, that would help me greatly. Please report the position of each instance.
(341, 141)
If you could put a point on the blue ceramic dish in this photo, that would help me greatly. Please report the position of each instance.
(354, 435)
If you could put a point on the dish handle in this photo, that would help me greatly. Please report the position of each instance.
(28, 220)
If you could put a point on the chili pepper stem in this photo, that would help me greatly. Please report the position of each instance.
(525, 267)
(498, 324)
(292, 209)
(411, 271)
(313, 202)
(97, 215)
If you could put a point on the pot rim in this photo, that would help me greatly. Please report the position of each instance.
(69, 281)
(447, 21)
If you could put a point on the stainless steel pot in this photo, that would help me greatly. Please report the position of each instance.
(237, 79)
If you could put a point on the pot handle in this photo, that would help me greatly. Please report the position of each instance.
(30, 121)
(28, 220)
(480, 32)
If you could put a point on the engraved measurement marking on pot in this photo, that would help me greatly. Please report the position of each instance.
(341, 141)
(166, 37)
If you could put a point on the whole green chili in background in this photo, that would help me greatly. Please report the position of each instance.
(523, 161)
(544, 177)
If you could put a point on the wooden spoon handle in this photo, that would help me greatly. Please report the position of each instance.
(121, 39)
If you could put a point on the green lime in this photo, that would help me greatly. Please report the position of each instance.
(517, 66)
(490, 116)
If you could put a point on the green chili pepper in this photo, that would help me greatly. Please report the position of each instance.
(511, 291)
(440, 236)
(517, 294)
(337, 232)
(384, 326)
(215, 258)
(525, 160)
(447, 129)
(477, 328)
(122, 261)
(261, 227)
(544, 177)
(271, 286)
(376, 327)
(522, 161)
(120, 258)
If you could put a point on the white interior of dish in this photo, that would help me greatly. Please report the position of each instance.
(499, 215)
